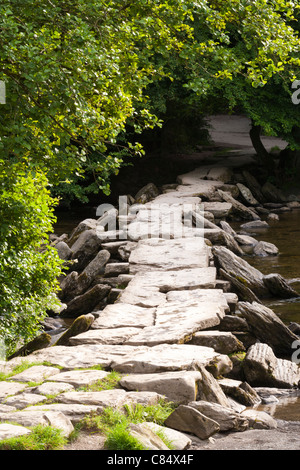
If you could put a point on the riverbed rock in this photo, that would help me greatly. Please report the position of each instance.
(121, 315)
(254, 186)
(279, 287)
(63, 250)
(87, 302)
(80, 325)
(265, 249)
(240, 269)
(106, 336)
(146, 193)
(85, 248)
(240, 391)
(268, 328)
(146, 437)
(243, 292)
(209, 388)
(178, 440)
(226, 417)
(187, 419)
(238, 208)
(263, 368)
(271, 193)
(178, 387)
(221, 341)
(259, 419)
(247, 195)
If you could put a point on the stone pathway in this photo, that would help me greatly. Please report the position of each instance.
(172, 294)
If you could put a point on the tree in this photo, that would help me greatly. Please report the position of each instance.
(29, 267)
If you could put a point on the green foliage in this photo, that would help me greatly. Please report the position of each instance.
(28, 267)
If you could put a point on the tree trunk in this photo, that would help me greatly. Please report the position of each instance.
(264, 156)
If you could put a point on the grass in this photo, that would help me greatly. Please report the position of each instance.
(108, 383)
(114, 423)
(40, 438)
(24, 366)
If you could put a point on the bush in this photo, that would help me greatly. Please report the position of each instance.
(29, 268)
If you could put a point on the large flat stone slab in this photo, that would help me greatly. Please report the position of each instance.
(105, 336)
(83, 356)
(8, 431)
(37, 414)
(177, 321)
(201, 295)
(163, 358)
(35, 374)
(169, 254)
(79, 378)
(122, 315)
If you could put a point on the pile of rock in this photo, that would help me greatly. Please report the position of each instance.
(164, 296)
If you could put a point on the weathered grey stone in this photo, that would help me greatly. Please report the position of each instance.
(240, 269)
(169, 254)
(179, 387)
(165, 357)
(146, 193)
(86, 224)
(37, 414)
(10, 388)
(24, 399)
(226, 417)
(113, 398)
(238, 208)
(85, 248)
(221, 341)
(265, 249)
(106, 336)
(210, 390)
(87, 302)
(33, 416)
(52, 388)
(35, 374)
(218, 209)
(79, 378)
(146, 436)
(80, 325)
(268, 327)
(271, 193)
(254, 186)
(122, 315)
(63, 250)
(246, 240)
(279, 287)
(259, 419)
(41, 341)
(178, 440)
(7, 431)
(247, 195)
(177, 321)
(115, 269)
(255, 225)
(240, 391)
(187, 419)
(263, 368)
(243, 292)
(93, 269)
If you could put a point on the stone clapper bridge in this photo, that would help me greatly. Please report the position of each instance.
(152, 333)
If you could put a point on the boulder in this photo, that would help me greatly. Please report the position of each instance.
(223, 342)
(278, 286)
(146, 437)
(187, 419)
(247, 195)
(268, 327)
(40, 342)
(210, 390)
(240, 269)
(87, 302)
(146, 193)
(242, 392)
(265, 249)
(259, 419)
(271, 193)
(178, 440)
(80, 325)
(263, 369)
(226, 417)
(63, 250)
(255, 225)
(238, 208)
(254, 186)
(243, 292)
(85, 248)
(178, 387)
